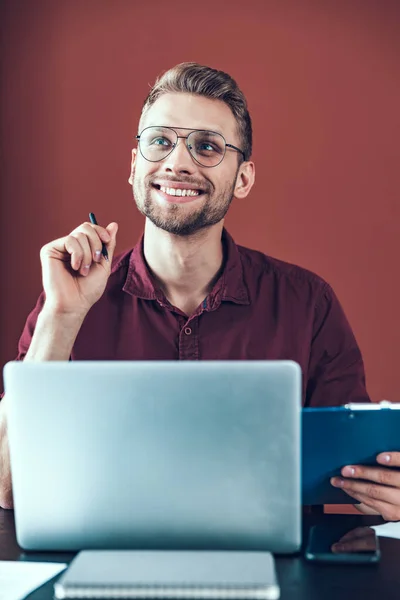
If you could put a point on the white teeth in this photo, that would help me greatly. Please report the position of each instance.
(178, 191)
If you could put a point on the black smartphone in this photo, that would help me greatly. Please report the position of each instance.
(330, 544)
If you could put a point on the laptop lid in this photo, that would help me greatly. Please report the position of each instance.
(182, 455)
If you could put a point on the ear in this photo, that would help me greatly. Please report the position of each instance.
(244, 180)
(133, 160)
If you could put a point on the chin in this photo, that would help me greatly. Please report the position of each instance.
(178, 229)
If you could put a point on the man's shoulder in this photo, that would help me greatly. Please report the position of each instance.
(258, 264)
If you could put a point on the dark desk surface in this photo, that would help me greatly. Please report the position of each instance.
(298, 579)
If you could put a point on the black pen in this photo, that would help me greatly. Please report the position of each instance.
(103, 246)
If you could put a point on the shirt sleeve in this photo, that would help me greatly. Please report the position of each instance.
(27, 333)
(336, 373)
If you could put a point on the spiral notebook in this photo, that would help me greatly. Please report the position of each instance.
(169, 574)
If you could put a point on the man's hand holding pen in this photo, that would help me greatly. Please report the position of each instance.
(76, 268)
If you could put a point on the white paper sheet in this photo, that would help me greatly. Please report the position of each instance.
(388, 530)
(18, 579)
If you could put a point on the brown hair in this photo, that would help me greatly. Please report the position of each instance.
(192, 78)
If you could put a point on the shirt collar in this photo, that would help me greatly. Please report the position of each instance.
(230, 286)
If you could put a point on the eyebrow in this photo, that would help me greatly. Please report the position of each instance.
(213, 130)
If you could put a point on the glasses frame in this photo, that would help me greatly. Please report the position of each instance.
(185, 137)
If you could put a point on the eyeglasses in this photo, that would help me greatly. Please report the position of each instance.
(206, 147)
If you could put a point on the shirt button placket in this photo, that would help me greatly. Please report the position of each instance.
(188, 341)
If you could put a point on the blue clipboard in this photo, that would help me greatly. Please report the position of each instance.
(346, 435)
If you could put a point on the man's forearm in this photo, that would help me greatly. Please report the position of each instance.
(54, 336)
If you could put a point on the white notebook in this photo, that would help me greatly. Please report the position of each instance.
(169, 574)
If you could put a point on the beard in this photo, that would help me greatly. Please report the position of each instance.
(176, 218)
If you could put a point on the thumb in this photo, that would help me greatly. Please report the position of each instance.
(365, 509)
(112, 229)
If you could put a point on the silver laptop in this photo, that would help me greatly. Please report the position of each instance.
(156, 455)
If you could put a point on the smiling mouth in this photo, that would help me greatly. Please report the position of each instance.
(179, 192)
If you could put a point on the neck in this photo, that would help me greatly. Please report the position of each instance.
(185, 268)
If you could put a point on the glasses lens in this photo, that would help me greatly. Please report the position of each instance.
(207, 147)
(157, 142)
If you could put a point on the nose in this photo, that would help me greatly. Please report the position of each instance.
(180, 160)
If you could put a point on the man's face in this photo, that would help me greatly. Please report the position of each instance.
(186, 214)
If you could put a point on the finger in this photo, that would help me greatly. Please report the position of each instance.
(72, 251)
(362, 544)
(388, 511)
(87, 256)
(366, 510)
(112, 230)
(389, 458)
(382, 475)
(371, 490)
(96, 236)
(358, 532)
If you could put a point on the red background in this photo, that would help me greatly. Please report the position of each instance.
(323, 87)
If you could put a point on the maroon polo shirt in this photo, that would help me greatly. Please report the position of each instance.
(259, 309)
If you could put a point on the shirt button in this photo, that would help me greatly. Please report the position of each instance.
(187, 330)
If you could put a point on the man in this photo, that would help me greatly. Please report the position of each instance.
(187, 291)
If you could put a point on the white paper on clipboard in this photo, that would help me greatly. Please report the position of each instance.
(18, 578)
